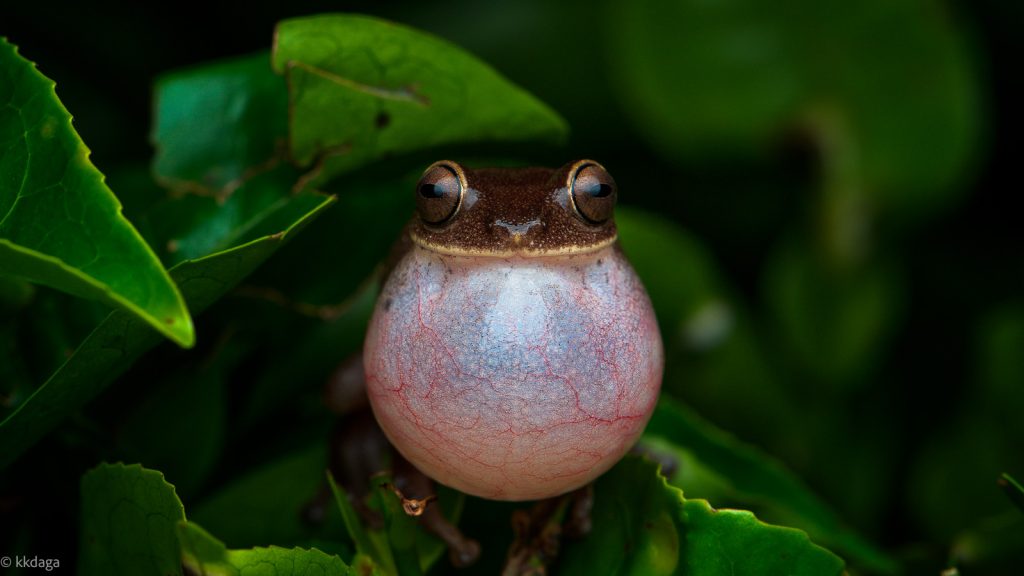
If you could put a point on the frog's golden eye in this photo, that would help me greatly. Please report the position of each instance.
(593, 192)
(439, 193)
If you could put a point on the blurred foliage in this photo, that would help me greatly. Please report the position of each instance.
(812, 199)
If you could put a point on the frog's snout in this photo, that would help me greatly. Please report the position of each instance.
(518, 232)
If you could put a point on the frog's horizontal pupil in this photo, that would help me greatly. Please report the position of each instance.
(438, 194)
(599, 190)
(431, 191)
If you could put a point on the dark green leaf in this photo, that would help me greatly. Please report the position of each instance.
(402, 546)
(718, 356)
(680, 277)
(1014, 491)
(399, 529)
(644, 526)
(59, 223)
(205, 555)
(833, 323)
(122, 338)
(242, 514)
(184, 227)
(362, 88)
(742, 473)
(983, 437)
(883, 88)
(129, 515)
(14, 295)
(218, 125)
(180, 427)
(354, 525)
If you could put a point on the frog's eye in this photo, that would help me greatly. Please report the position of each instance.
(439, 193)
(593, 192)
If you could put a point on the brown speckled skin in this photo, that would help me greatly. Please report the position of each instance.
(501, 201)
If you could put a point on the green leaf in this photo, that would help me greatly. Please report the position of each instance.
(641, 525)
(834, 324)
(368, 217)
(742, 473)
(354, 525)
(59, 223)
(401, 546)
(361, 88)
(242, 514)
(40, 338)
(180, 427)
(883, 88)
(680, 277)
(1014, 491)
(205, 555)
(399, 533)
(129, 515)
(219, 124)
(189, 226)
(983, 437)
(116, 343)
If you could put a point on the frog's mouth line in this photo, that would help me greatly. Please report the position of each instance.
(525, 251)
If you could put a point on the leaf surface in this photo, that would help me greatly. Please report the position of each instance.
(129, 515)
(60, 225)
(205, 555)
(747, 476)
(219, 124)
(361, 89)
(644, 526)
(121, 338)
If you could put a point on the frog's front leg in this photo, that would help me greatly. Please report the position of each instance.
(539, 532)
(416, 491)
(359, 451)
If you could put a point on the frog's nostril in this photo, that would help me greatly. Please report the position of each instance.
(517, 231)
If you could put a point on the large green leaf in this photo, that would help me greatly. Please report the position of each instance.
(122, 338)
(361, 88)
(641, 525)
(133, 523)
(743, 474)
(218, 125)
(882, 87)
(59, 223)
(129, 518)
(205, 555)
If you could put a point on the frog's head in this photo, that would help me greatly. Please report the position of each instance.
(515, 211)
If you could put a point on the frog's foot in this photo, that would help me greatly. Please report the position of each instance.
(538, 533)
(416, 492)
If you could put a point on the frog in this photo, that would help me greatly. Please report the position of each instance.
(513, 352)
